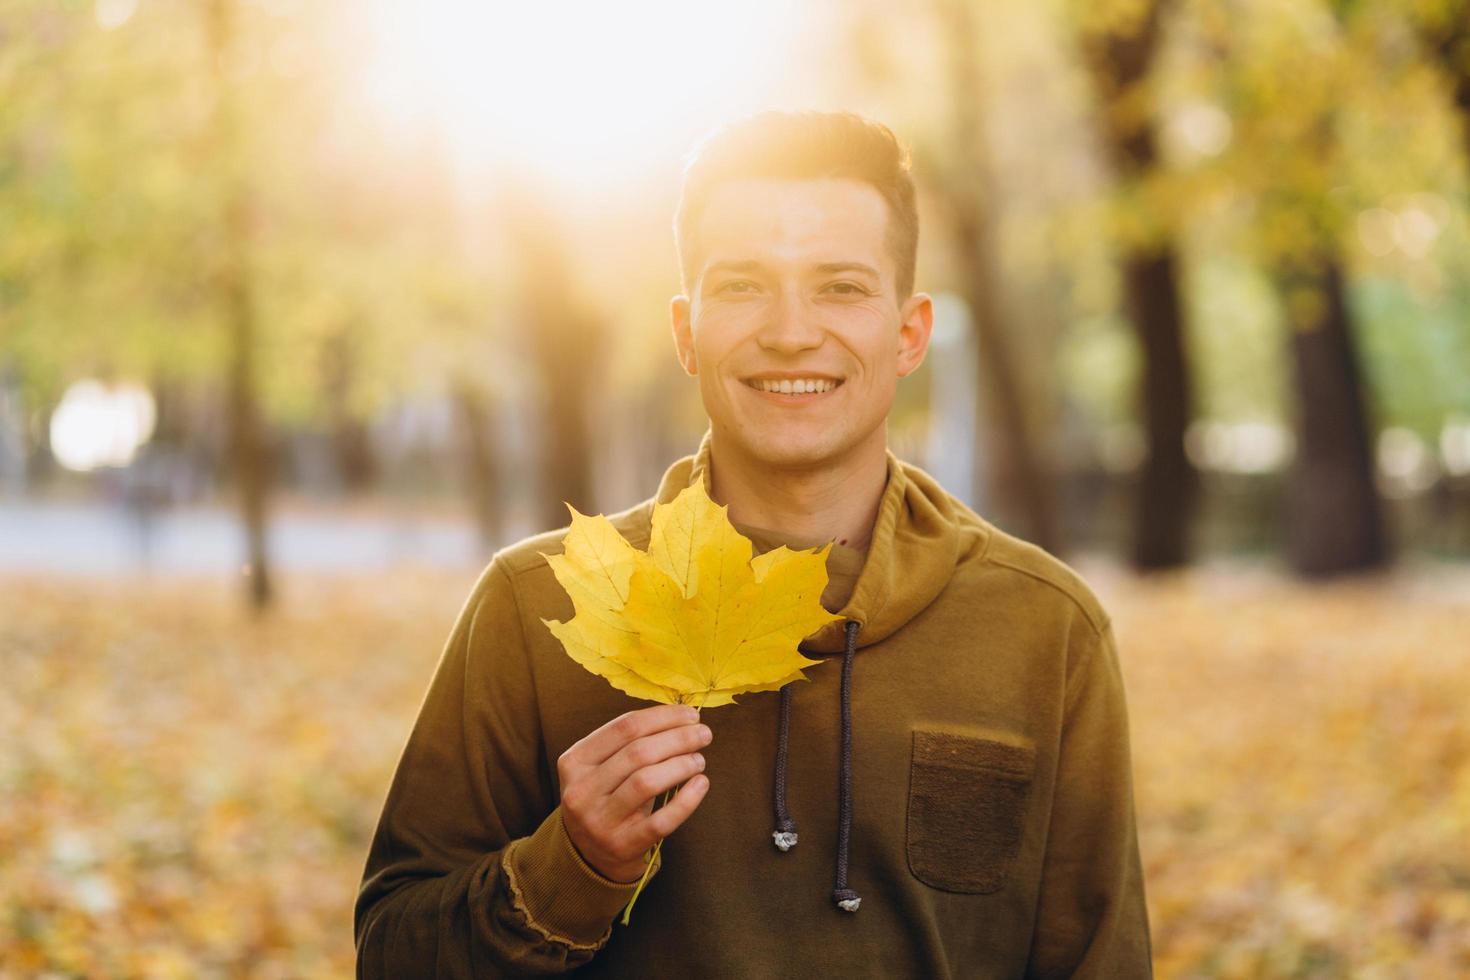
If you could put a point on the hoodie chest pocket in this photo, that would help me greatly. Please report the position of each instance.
(968, 798)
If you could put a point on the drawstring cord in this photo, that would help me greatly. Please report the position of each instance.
(785, 832)
(846, 899)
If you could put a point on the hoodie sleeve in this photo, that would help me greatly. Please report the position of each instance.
(1091, 918)
(470, 872)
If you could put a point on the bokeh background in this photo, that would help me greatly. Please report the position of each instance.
(306, 308)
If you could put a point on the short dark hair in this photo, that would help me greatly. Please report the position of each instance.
(805, 145)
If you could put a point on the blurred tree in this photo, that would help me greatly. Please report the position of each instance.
(1444, 27)
(475, 418)
(1284, 72)
(1119, 41)
(103, 197)
(1007, 460)
(565, 344)
(233, 279)
(341, 367)
(193, 200)
(349, 264)
(1335, 521)
(472, 353)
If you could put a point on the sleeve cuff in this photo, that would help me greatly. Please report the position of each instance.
(562, 896)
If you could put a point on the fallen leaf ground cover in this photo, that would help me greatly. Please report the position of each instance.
(187, 791)
(1302, 757)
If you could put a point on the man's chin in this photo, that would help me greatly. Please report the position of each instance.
(785, 451)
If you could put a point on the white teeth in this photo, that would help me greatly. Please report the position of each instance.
(800, 386)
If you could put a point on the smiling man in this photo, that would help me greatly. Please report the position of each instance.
(949, 796)
(798, 322)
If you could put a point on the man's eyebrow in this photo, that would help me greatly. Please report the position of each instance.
(830, 267)
(744, 265)
(826, 268)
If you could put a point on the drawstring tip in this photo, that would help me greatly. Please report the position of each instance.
(847, 899)
(785, 839)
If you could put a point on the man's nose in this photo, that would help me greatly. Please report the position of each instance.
(790, 325)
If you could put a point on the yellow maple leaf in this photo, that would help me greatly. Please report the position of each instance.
(693, 619)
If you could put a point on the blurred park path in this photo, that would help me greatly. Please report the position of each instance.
(101, 539)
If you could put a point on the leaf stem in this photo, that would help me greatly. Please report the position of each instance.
(653, 854)
(647, 868)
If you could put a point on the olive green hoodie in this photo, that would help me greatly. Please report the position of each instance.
(987, 805)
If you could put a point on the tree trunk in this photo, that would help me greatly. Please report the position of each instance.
(248, 449)
(566, 459)
(251, 456)
(1334, 520)
(249, 452)
(481, 468)
(1006, 460)
(351, 442)
(1168, 487)
(566, 348)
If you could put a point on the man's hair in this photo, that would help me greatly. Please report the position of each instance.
(805, 145)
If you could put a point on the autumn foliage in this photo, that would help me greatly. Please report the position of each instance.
(185, 791)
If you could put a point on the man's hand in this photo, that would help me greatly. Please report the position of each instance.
(610, 778)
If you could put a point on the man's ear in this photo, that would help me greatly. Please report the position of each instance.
(915, 324)
(679, 319)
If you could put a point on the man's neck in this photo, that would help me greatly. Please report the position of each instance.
(834, 501)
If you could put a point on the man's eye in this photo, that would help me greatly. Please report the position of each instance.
(737, 286)
(848, 289)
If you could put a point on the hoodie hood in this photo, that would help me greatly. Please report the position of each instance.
(911, 555)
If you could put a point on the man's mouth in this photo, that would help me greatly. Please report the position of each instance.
(794, 386)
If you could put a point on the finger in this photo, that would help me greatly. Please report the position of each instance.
(643, 785)
(667, 819)
(597, 747)
(650, 750)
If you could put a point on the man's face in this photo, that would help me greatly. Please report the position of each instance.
(792, 280)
